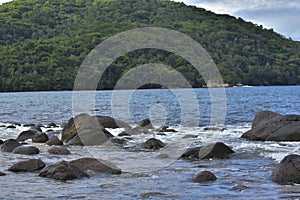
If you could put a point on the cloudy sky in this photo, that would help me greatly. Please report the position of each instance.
(281, 15)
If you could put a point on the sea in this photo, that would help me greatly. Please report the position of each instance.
(200, 116)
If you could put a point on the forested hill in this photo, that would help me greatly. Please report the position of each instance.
(43, 42)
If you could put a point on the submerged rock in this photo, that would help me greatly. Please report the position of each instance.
(204, 176)
(60, 150)
(26, 150)
(9, 145)
(28, 166)
(167, 129)
(269, 126)
(84, 130)
(63, 171)
(52, 125)
(153, 144)
(288, 170)
(96, 165)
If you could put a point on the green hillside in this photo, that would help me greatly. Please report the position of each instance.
(43, 42)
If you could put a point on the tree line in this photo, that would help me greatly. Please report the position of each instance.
(44, 42)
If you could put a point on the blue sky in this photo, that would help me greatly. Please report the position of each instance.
(281, 15)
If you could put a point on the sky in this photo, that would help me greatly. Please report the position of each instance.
(283, 16)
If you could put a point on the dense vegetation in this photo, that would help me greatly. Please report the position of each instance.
(43, 43)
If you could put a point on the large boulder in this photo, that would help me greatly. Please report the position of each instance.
(263, 116)
(274, 127)
(9, 145)
(214, 150)
(28, 166)
(26, 150)
(84, 130)
(288, 170)
(28, 134)
(109, 122)
(63, 171)
(96, 165)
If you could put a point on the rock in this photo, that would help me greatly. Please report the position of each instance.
(109, 122)
(96, 165)
(9, 145)
(288, 170)
(155, 195)
(29, 125)
(239, 187)
(84, 130)
(28, 166)
(215, 150)
(191, 153)
(11, 126)
(29, 134)
(145, 123)
(1, 142)
(2, 174)
(153, 144)
(278, 128)
(60, 150)
(118, 141)
(40, 138)
(189, 136)
(204, 176)
(167, 129)
(263, 116)
(135, 131)
(54, 140)
(63, 171)
(26, 150)
(123, 134)
(37, 127)
(52, 125)
(214, 129)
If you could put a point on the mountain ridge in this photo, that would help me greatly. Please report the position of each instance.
(43, 43)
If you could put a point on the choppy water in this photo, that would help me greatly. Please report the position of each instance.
(245, 176)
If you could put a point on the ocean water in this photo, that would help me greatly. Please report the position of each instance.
(246, 175)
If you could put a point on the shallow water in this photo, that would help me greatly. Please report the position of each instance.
(246, 175)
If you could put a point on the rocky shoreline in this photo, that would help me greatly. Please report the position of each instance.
(85, 130)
